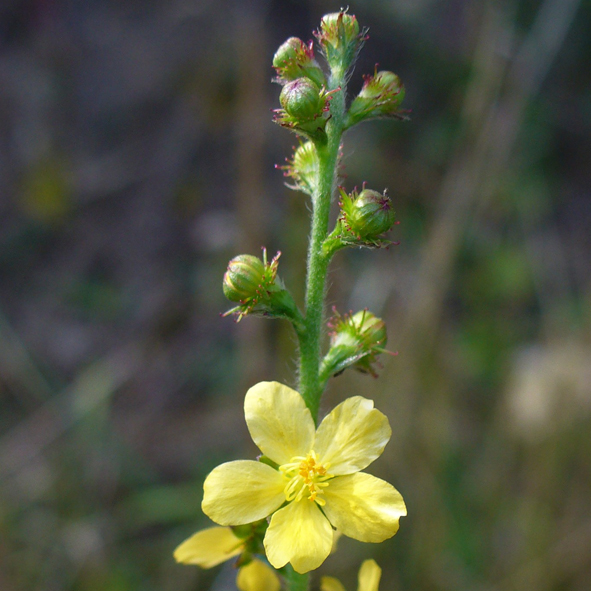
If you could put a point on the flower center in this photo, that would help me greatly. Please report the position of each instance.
(305, 476)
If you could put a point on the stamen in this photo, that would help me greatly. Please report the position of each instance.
(306, 476)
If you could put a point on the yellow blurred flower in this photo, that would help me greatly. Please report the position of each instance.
(369, 579)
(257, 576)
(209, 547)
(212, 546)
(315, 468)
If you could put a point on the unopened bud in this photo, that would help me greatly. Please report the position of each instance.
(287, 54)
(303, 168)
(356, 341)
(340, 39)
(254, 285)
(369, 328)
(367, 215)
(339, 28)
(381, 96)
(294, 59)
(244, 278)
(304, 104)
(302, 100)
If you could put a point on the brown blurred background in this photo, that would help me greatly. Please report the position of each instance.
(136, 158)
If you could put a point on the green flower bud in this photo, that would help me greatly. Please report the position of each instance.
(244, 278)
(255, 286)
(369, 328)
(367, 215)
(287, 53)
(303, 168)
(304, 104)
(356, 341)
(294, 59)
(381, 96)
(302, 100)
(339, 27)
(341, 39)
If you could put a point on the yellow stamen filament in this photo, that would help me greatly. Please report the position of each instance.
(305, 475)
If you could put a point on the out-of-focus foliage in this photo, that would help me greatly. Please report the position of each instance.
(136, 159)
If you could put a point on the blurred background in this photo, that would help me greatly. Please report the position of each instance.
(137, 157)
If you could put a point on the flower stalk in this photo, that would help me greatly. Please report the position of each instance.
(310, 386)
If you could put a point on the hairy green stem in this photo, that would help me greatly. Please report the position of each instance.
(310, 385)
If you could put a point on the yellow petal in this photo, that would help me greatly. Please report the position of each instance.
(363, 507)
(241, 492)
(330, 584)
(352, 436)
(299, 533)
(279, 421)
(209, 547)
(369, 576)
(257, 576)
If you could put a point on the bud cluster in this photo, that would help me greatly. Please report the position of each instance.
(356, 340)
(255, 286)
(310, 98)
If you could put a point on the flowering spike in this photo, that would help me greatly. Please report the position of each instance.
(309, 484)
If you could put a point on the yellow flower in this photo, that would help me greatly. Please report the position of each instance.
(212, 546)
(316, 468)
(369, 579)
